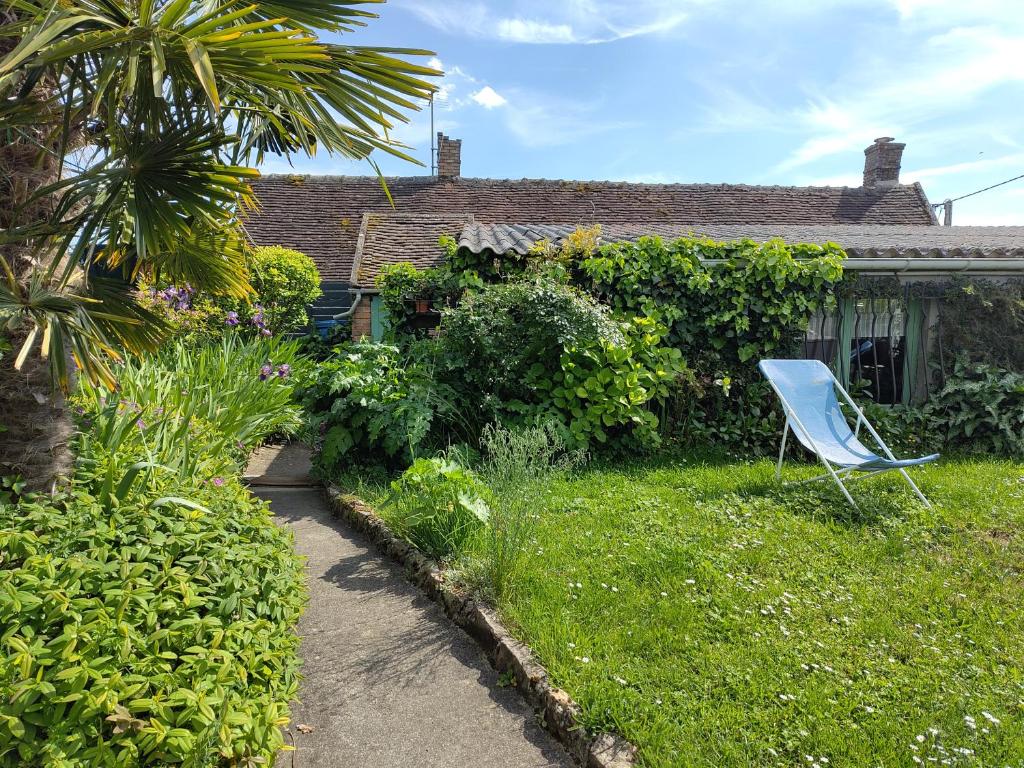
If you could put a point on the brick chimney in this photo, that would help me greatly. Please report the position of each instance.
(882, 163)
(449, 156)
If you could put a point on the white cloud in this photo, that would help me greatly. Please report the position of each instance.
(531, 31)
(540, 22)
(489, 98)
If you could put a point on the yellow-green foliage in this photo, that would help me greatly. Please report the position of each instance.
(147, 615)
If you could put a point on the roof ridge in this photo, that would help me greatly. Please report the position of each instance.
(608, 183)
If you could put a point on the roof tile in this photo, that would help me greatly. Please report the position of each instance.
(322, 215)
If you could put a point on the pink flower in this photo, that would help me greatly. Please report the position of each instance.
(218, 481)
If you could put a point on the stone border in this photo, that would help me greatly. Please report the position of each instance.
(560, 714)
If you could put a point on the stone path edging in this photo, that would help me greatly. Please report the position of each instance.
(560, 713)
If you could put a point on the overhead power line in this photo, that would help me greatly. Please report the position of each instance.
(979, 191)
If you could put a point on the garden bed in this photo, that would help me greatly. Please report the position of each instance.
(714, 619)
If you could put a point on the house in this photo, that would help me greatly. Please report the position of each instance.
(350, 229)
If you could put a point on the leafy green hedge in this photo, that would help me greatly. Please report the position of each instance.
(148, 612)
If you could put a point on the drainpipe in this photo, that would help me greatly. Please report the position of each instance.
(351, 310)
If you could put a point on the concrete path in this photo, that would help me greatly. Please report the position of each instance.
(286, 464)
(389, 680)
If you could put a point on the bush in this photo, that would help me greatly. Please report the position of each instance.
(148, 614)
(985, 321)
(374, 403)
(192, 318)
(437, 506)
(537, 350)
(286, 283)
(401, 285)
(980, 409)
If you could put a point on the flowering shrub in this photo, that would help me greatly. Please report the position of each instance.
(284, 282)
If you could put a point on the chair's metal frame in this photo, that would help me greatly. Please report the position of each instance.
(842, 472)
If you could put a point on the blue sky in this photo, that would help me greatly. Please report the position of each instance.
(743, 91)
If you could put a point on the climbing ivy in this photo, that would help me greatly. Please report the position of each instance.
(727, 306)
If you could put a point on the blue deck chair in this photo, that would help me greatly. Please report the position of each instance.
(807, 390)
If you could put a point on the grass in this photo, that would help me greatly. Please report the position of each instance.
(716, 619)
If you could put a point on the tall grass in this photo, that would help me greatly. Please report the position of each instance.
(517, 466)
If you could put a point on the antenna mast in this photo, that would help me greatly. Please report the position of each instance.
(433, 140)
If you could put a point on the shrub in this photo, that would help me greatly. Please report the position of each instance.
(148, 614)
(540, 350)
(438, 506)
(374, 402)
(980, 409)
(984, 320)
(286, 283)
(192, 318)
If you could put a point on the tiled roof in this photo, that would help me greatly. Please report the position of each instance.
(858, 240)
(390, 238)
(321, 215)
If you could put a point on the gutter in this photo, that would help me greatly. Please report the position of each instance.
(935, 266)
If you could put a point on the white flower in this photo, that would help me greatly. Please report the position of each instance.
(988, 716)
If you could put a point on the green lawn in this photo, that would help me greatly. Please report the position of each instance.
(716, 620)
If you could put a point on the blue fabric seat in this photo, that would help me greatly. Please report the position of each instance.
(808, 390)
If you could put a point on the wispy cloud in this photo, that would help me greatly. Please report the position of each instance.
(535, 118)
(566, 22)
(999, 165)
(539, 120)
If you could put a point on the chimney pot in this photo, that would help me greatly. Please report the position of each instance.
(449, 156)
(882, 163)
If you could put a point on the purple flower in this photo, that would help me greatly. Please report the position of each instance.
(140, 424)
(266, 332)
(266, 371)
(231, 319)
(218, 481)
(284, 370)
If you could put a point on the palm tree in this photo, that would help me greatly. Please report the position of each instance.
(128, 129)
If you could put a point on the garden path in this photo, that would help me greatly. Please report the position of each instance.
(388, 679)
